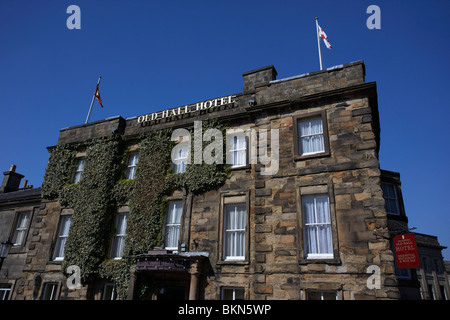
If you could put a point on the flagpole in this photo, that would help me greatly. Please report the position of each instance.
(318, 43)
(92, 102)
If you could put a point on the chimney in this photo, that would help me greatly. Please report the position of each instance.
(258, 77)
(11, 180)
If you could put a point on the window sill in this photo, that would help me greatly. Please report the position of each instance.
(312, 156)
(233, 262)
(17, 249)
(304, 261)
(59, 261)
(246, 167)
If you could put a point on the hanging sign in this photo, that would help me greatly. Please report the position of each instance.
(406, 253)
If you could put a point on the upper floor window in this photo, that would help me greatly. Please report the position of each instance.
(132, 161)
(79, 167)
(238, 151)
(23, 220)
(317, 227)
(390, 198)
(234, 231)
(180, 158)
(118, 242)
(63, 233)
(438, 265)
(312, 135)
(426, 264)
(172, 225)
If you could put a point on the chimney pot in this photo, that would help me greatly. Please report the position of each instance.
(11, 180)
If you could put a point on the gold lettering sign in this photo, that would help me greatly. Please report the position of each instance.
(186, 110)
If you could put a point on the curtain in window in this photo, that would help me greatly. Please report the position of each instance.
(235, 232)
(131, 165)
(119, 238)
(63, 233)
(239, 151)
(172, 227)
(179, 163)
(311, 136)
(78, 171)
(317, 225)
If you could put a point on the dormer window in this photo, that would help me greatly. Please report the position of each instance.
(390, 198)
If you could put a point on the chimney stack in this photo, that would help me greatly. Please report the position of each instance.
(258, 77)
(11, 180)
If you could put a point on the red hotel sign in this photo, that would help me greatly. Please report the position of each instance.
(406, 251)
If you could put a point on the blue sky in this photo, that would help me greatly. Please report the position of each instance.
(154, 55)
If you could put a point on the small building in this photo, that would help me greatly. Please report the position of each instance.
(18, 208)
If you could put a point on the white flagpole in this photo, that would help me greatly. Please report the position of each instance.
(318, 42)
(92, 102)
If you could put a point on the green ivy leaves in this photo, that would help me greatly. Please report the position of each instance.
(96, 198)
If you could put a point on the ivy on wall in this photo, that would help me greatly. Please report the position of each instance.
(102, 189)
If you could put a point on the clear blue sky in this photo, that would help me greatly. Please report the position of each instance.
(155, 55)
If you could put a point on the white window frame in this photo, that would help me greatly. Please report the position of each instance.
(180, 160)
(61, 238)
(105, 291)
(5, 292)
(171, 223)
(235, 150)
(20, 228)
(317, 225)
(308, 136)
(119, 236)
(308, 292)
(132, 161)
(233, 292)
(78, 172)
(431, 292)
(387, 197)
(53, 286)
(235, 231)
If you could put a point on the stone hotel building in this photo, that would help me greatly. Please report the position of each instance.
(272, 193)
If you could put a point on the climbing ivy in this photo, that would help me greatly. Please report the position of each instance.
(94, 209)
(102, 189)
(60, 166)
(152, 182)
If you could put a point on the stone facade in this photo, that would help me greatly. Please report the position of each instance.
(275, 264)
(19, 210)
(432, 274)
